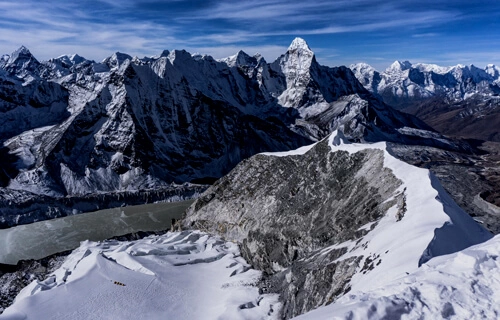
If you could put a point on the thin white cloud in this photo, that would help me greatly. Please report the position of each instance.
(221, 28)
(425, 35)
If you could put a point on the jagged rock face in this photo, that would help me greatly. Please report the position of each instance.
(330, 99)
(20, 63)
(140, 124)
(179, 138)
(131, 123)
(25, 107)
(314, 202)
(310, 87)
(15, 278)
(34, 105)
(308, 219)
(280, 225)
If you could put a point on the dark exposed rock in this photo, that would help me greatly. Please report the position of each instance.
(477, 117)
(14, 278)
(284, 210)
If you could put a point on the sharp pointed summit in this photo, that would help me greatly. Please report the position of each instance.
(21, 50)
(21, 63)
(241, 58)
(299, 43)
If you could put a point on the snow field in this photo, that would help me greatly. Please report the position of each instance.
(186, 275)
(463, 285)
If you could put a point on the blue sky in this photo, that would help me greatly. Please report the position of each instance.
(445, 32)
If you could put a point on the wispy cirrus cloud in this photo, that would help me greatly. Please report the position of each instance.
(339, 31)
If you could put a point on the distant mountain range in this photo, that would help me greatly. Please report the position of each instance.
(460, 100)
(321, 179)
(73, 126)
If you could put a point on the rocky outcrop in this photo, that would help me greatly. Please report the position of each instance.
(477, 117)
(128, 124)
(13, 278)
(308, 219)
(284, 210)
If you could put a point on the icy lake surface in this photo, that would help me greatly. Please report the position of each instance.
(40, 239)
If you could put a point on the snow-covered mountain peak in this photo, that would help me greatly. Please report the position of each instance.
(404, 83)
(117, 59)
(493, 71)
(366, 74)
(176, 56)
(399, 66)
(21, 63)
(429, 67)
(240, 59)
(298, 56)
(299, 44)
(164, 53)
(296, 65)
(69, 60)
(76, 59)
(22, 51)
(361, 68)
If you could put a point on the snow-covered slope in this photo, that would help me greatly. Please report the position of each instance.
(188, 275)
(333, 218)
(130, 123)
(335, 223)
(463, 285)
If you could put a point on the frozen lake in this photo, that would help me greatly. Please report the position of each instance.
(40, 239)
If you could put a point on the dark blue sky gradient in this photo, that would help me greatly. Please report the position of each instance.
(340, 32)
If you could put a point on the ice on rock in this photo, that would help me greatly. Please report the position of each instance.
(464, 285)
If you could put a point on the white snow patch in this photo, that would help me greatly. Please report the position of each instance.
(299, 151)
(186, 275)
(463, 285)
(432, 224)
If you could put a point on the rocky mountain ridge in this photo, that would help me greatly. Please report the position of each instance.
(323, 220)
(461, 101)
(403, 82)
(74, 127)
